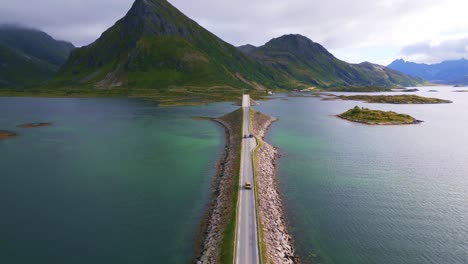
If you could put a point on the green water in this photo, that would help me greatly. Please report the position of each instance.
(111, 181)
(358, 194)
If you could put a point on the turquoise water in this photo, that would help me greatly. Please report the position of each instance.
(111, 181)
(358, 194)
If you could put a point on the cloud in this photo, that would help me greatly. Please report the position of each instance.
(340, 25)
(334, 23)
(78, 21)
(427, 52)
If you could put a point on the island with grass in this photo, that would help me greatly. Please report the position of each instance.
(394, 99)
(376, 117)
(359, 89)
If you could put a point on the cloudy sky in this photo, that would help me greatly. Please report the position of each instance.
(354, 30)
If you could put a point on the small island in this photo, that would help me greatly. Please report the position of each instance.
(376, 117)
(394, 99)
(6, 134)
(359, 89)
(34, 125)
(410, 90)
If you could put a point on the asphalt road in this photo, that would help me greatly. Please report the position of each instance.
(247, 240)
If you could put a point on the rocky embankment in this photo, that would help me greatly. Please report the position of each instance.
(222, 208)
(276, 238)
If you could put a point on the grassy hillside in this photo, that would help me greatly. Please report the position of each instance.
(29, 57)
(305, 63)
(18, 69)
(36, 44)
(156, 51)
(156, 46)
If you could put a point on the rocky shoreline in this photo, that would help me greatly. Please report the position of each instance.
(221, 208)
(279, 245)
(276, 241)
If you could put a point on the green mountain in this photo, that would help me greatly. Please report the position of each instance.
(156, 46)
(157, 49)
(304, 63)
(28, 56)
(247, 49)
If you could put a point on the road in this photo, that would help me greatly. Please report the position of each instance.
(247, 240)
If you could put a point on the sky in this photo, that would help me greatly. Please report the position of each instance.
(379, 31)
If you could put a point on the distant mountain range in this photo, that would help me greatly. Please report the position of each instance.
(29, 56)
(447, 72)
(155, 46)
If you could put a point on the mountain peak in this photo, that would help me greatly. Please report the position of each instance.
(159, 43)
(297, 44)
(156, 17)
(292, 38)
(247, 49)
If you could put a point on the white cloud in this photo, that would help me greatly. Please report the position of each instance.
(341, 25)
(428, 52)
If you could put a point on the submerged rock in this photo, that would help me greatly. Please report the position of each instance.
(34, 125)
(7, 134)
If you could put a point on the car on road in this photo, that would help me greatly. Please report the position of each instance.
(248, 185)
(251, 136)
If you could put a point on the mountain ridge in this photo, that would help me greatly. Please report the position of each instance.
(445, 72)
(308, 63)
(156, 46)
(158, 50)
(29, 56)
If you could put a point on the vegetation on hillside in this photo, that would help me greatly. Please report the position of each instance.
(29, 57)
(18, 70)
(304, 63)
(155, 46)
(156, 51)
(376, 117)
(394, 99)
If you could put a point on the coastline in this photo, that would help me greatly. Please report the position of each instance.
(214, 227)
(277, 243)
(416, 122)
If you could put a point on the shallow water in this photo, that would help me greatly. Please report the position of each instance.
(375, 194)
(111, 181)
